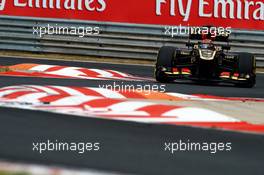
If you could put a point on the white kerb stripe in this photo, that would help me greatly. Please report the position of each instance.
(179, 95)
(41, 68)
(193, 97)
(115, 114)
(68, 71)
(129, 105)
(43, 88)
(31, 97)
(120, 73)
(7, 92)
(102, 73)
(190, 114)
(12, 88)
(147, 119)
(74, 100)
(68, 90)
(108, 93)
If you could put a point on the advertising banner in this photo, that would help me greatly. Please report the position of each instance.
(243, 14)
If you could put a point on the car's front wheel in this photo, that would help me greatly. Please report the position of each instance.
(247, 67)
(164, 62)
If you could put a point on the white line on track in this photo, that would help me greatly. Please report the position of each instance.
(34, 169)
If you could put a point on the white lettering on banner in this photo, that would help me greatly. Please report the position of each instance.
(90, 5)
(259, 13)
(2, 4)
(183, 12)
(239, 13)
(103, 5)
(19, 4)
(158, 6)
(234, 5)
(69, 4)
(245, 9)
(223, 4)
(186, 13)
(218, 9)
(202, 4)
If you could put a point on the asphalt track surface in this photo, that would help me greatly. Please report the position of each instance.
(126, 147)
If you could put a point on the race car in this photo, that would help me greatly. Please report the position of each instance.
(207, 62)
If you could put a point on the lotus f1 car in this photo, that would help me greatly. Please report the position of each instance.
(205, 61)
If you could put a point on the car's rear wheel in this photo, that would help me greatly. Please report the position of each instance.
(247, 66)
(164, 62)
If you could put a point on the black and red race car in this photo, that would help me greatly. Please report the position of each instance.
(207, 60)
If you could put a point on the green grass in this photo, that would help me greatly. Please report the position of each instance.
(4, 69)
(8, 173)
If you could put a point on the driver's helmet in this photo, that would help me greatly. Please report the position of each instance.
(207, 41)
(207, 45)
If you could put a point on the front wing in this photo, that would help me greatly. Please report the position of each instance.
(185, 73)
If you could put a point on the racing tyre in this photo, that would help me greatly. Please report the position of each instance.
(247, 66)
(164, 60)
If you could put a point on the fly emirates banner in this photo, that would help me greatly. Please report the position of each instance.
(243, 14)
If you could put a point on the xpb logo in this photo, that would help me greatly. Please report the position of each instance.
(2, 4)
